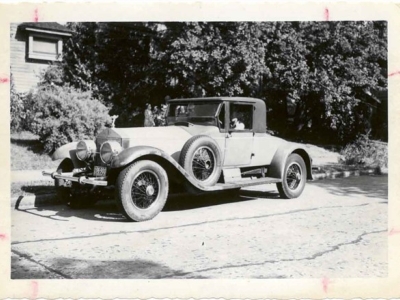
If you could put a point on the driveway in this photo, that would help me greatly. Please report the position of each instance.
(337, 228)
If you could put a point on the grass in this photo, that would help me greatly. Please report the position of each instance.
(26, 153)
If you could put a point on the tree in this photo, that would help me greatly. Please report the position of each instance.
(328, 70)
(113, 61)
(213, 59)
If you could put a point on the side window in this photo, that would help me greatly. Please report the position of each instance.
(221, 117)
(241, 116)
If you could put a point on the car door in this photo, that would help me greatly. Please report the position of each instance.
(239, 136)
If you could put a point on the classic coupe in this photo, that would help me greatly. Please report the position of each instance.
(209, 144)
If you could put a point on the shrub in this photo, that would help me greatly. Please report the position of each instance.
(366, 152)
(64, 114)
(18, 111)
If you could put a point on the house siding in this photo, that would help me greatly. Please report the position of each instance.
(25, 72)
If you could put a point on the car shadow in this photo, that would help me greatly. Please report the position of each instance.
(101, 211)
(188, 201)
(107, 210)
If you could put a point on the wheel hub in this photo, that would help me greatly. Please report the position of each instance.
(207, 164)
(150, 190)
(293, 176)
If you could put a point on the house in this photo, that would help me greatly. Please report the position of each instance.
(32, 47)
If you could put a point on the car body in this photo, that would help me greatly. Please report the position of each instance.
(209, 144)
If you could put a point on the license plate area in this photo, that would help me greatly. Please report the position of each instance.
(99, 171)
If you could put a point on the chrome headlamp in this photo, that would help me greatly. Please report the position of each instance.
(108, 150)
(85, 149)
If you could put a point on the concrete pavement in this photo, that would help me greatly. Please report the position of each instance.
(337, 228)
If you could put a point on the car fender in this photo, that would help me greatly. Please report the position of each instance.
(132, 154)
(278, 162)
(68, 151)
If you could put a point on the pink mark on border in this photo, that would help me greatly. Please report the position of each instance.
(325, 283)
(3, 236)
(4, 80)
(326, 14)
(394, 231)
(35, 289)
(36, 15)
(394, 73)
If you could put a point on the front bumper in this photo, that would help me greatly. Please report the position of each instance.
(80, 179)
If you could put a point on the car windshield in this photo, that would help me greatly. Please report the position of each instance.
(202, 113)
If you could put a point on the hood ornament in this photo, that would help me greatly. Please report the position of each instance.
(113, 118)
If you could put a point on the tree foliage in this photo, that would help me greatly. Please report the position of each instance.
(59, 113)
(18, 110)
(328, 71)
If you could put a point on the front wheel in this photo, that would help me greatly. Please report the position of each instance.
(294, 177)
(142, 190)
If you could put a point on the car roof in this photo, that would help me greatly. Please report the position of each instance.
(259, 115)
(233, 99)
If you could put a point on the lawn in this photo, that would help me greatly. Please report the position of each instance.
(26, 153)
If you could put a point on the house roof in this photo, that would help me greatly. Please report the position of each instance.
(49, 26)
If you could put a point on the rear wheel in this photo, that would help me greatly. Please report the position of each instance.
(142, 190)
(294, 177)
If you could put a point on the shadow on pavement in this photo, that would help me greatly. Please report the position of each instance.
(108, 211)
(95, 269)
(101, 211)
(374, 186)
(188, 201)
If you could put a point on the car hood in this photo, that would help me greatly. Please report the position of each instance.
(170, 139)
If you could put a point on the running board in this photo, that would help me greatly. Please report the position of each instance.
(240, 183)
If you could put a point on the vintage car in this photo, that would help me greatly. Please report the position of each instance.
(209, 144)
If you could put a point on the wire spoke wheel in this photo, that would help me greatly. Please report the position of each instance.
(145, 189)
(293, 176)
(142, 190)
(203, 163)
(202, 160)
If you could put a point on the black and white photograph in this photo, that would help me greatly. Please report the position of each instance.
(214, 150)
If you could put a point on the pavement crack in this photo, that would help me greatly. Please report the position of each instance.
(28, 257)
(186, 225)
(312, 257)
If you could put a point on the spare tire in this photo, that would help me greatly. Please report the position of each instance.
(202, 159)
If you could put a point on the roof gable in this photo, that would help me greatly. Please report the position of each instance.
(48, 26)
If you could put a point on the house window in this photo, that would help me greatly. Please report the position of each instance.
(44, 48)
